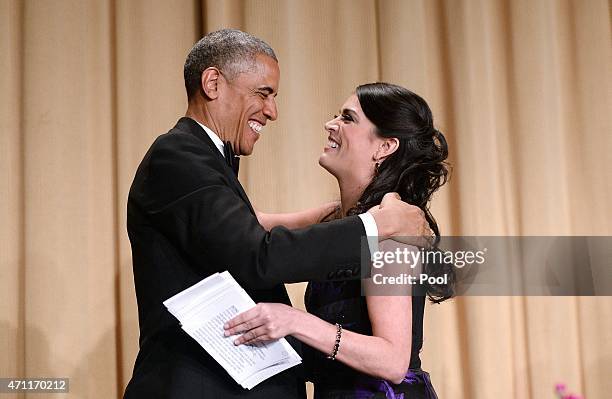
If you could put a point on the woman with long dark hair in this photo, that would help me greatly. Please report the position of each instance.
(383, 141)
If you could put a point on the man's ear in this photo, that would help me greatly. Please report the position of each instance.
(209, 83)
(387, 147)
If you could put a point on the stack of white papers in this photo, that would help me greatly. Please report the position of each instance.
(202, 310)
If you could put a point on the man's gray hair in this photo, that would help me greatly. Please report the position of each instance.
(230, 50)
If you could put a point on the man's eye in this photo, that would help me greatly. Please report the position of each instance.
(262, 95)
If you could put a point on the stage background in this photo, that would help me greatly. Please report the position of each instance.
(522, 90)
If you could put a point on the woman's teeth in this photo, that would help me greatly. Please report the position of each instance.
(332, 144)
(256, 127)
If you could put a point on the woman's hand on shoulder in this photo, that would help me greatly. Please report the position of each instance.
(328, 211)
(264, 322)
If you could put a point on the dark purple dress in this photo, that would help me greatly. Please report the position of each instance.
(341, 302)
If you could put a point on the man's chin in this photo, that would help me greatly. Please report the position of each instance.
(246, 150)
(247, 146)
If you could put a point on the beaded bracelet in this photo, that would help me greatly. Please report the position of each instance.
(337, 344)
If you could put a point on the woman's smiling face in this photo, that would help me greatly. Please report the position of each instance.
(352, 147)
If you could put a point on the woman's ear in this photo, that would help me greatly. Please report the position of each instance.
(387, 147)
(209, 83)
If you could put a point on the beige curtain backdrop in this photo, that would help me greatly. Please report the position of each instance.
(521, 88)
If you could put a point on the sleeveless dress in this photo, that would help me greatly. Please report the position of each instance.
(341, 302)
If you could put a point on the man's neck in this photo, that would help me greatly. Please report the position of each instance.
(202, 121)
(202, 115)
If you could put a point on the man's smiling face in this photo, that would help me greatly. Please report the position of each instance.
(248, 101)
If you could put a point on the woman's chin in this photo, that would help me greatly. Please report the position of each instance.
(324, 161)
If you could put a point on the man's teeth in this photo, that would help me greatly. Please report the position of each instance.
(332, 144)
(255, 126)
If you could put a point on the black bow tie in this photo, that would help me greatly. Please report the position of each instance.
(233, 160)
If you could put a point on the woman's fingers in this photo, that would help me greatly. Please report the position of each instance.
(253, 336)
(240, 328)
(265, 322)
(243, 322)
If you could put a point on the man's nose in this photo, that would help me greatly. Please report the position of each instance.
(269, 109)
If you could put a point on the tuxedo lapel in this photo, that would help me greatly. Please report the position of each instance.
(238, 186)
(189, 125)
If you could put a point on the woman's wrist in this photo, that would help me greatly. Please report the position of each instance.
(297, 321)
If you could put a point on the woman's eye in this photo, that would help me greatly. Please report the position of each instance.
(344, 117)
(262, 95)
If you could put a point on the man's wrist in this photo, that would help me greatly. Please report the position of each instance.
(369, 224)
(371, 230)
(383, 230)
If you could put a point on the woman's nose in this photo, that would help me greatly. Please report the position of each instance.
(331, 126)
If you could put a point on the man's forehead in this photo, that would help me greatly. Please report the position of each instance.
(266, 72)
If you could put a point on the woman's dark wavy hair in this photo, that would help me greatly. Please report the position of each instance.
(415, 170)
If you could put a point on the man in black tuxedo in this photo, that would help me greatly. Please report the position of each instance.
(188, 217)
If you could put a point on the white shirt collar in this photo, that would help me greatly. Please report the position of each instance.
(213, 136)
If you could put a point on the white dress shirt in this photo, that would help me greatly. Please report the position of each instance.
(213, 136)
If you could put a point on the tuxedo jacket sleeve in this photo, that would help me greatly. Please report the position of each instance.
(186, 191)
